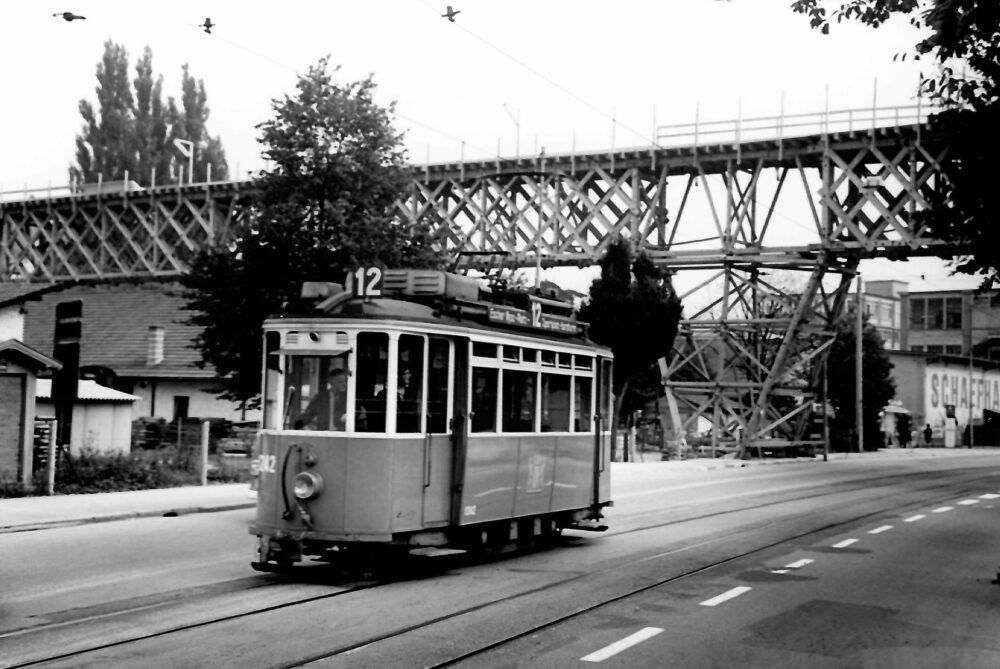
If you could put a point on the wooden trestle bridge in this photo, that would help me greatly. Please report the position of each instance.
(725, 206)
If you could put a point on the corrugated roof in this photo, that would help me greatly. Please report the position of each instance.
(88, 391)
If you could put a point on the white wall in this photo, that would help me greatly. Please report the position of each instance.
(201, 404)
(104, 427)
(950, 384)
(11, 323)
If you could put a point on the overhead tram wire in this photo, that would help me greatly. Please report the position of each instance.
(426, 126)
(550, 81)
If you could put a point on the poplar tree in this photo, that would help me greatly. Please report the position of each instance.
(131, 130)
(634, 310)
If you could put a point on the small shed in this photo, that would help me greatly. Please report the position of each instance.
(19, 367)
(102, 416)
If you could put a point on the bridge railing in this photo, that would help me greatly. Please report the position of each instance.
(787, 126)
(99, 188)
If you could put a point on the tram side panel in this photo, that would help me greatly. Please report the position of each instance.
(490, 479)
(520, 476)
(536, 465)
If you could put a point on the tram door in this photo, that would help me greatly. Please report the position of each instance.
(438, 444)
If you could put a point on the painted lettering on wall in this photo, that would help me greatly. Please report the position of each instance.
(954, 385)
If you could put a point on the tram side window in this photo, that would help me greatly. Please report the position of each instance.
(409, 383)
(555, 403)
(518, 404)
(373, 370)
(438, 380)
(604, 395)
(316, 392)
(581, 392)
(484, 399)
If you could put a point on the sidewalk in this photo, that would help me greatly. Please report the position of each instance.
(23, 514)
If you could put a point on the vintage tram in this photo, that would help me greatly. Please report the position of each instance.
(420, 411)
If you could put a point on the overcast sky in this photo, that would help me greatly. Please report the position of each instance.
(563, 68)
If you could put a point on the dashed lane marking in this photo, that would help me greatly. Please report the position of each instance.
(969, 502)
(845, 543)
(913, 519)
(623, 644)
(780, 571)
(798, 563)
(880, 530)
(726, 596)
(942, 509)
(989, 495)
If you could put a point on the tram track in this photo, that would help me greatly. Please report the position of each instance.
(941, 490)
(533, 629)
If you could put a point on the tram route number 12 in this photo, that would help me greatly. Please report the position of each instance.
(365, 282)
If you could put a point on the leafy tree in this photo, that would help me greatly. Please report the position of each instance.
(962, 37)
(876, 371)
(634, 310)
(132, 130)
(324, 208)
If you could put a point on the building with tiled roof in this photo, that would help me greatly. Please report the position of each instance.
(134, 339)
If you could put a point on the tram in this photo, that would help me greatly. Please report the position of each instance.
(421, 412)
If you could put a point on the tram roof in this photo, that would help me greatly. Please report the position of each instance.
(408, 311)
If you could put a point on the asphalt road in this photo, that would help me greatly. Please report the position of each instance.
(688, 576)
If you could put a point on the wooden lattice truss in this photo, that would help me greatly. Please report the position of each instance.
(764, 237)
(149, 233)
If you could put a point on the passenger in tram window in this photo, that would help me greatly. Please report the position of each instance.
(407, 403)
(484, 402)
(328, 409)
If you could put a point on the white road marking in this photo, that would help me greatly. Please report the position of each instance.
(779, 571)
(969, 502)
(880, 530)
(798, 563)
(623, 644)
(989, 495)
(942, 509)
(913, 519)
(845, 543)
(727, 595)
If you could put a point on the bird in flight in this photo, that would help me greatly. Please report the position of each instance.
(207, 25)
(69, 16)
(450, 13)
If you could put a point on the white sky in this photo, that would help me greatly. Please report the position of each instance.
(566, 67)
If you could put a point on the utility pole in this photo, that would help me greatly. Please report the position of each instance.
(971, 395)
(858, 381)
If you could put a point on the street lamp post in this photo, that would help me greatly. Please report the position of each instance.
(187, 150)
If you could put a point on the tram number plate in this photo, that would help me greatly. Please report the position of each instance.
(469, 510)
(266, 463)
(365, 282)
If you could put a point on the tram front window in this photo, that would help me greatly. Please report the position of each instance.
(316, 392)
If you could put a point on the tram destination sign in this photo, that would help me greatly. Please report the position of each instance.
(533, 318)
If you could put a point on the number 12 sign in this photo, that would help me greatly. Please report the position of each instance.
(365, 282)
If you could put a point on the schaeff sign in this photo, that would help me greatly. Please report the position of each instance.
(955, 386)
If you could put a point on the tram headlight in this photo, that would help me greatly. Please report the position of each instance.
(307, 485)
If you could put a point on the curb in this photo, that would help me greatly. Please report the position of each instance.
(72, 522)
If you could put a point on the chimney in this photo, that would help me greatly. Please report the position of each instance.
(154, 346)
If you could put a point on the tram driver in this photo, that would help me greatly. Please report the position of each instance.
(328, 409)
